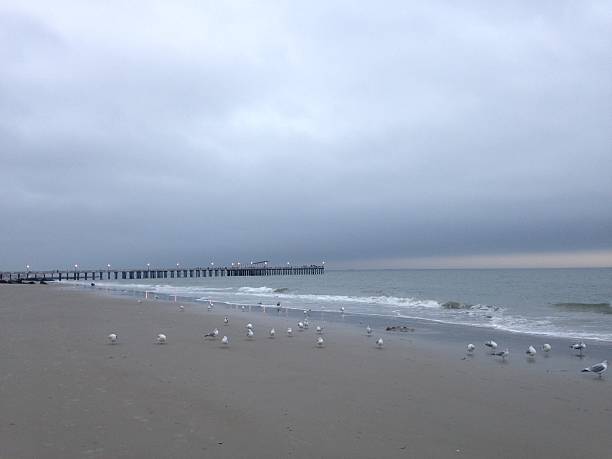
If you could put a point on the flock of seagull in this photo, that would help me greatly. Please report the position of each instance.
(598, 368)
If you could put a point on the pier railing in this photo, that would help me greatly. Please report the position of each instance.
(157, 273)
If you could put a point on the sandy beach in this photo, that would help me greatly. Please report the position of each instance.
(66, 393)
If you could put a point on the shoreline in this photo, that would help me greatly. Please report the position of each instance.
(66, 393)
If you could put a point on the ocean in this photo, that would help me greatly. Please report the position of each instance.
(564, 303)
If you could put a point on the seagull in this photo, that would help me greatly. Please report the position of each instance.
(306, 323)
(225, 340)
(531, 352)
(250, 333)
(379, 343)
(213, 334)
(342, 309)
(272, 333)
(161, 338)
(301, 326)
(319, 330)
(503, 354)
(242, 307)
(369, 330)
(491, 344)
(181, 308)
(140, 301)
(305, 312)
(546, 347)
(112, 338)
(209, 307)
(598, 368)
(249, 326)
(289, 331)
(320, 341)
(226, 320)
(581, 346)
(470, 348)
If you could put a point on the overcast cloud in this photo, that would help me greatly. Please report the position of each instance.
(135, 132)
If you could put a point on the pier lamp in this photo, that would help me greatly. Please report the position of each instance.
(232, 264)
(288, 264)
(212, 264)
(178, 264)
(76, 267)
(265, 263)
(28, 268)
(239, 264)
(148, 266)
(108, 267)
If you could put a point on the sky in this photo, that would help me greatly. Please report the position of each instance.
(366, 134)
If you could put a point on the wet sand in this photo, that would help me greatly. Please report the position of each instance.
(65, 392)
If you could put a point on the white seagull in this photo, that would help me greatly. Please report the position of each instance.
(250, 333)
(492, 345)
(112, 338)
(581, 346)
(225, 320)
(249, 326)
(225, 340)
(289, 331)
(379, 342)
(181, 308)
(301, 325)
(546, 347)
(242, 307)
(213, 334)
(209, 307)
(369, 330)
(531, 352)
(272, 333)
(140, 301)
(503, 354)
(320, 341)
(319, 329)
(598, 368)
(342, 309)
(161, 338)
(471, 348)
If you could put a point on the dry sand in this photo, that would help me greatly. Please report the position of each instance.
(66, 393)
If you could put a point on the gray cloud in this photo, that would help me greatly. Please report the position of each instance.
(346, 131)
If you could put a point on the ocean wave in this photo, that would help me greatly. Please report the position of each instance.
(600, 308)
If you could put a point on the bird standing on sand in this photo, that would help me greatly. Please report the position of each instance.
(581, 346)
(598, 368)
(181, 308)
(209, 307)
(249, 326)
(319, 330)
(503, 354)
(225, 320)
(250, 334)
(112, 338)
(320, 341)
(369, 330)
(242, 307)
(301, 325)
(225, 340)
(470, 348)
(546, 347)
(272, 333)
(342, 309)
(289, 331)
(531, 352)
(161, 338)
(139, 301)
(379, 343)
(492, 345)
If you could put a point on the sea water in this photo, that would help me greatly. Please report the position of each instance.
(572, 303)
